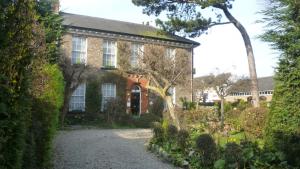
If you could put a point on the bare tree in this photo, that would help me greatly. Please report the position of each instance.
(74, 75)
(163, 71)
(185, 16)
(200, 84)
(222, 84)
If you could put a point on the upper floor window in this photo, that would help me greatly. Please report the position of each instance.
(108, 91)
(79, 50)
(109, 53)
(170, 53)
(137, 52)
(77, 101)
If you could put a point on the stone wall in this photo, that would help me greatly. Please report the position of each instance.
(95, 58)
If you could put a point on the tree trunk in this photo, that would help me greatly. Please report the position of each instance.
(65, 108)
(171, 109)
(222, 113)
(250, 55)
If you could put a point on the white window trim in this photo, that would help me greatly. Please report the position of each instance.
(84, 93)
(86, 47)
(171, 54)
(102, 93)
(133, 52)
(116, 52)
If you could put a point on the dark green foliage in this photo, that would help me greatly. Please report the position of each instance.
(182, 16)
(47, 98)
(93, 97)
(233, 155)
(19, 46)
(283, 19)
(171, 132)
(187, 105)
(145, 120)
(182, 139)
(28, 111)
(52, 24)
(253, 121)
(207, 147)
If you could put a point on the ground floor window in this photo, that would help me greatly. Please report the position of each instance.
(77, 101)
(108, 91)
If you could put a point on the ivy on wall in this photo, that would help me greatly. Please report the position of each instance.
(93, 89)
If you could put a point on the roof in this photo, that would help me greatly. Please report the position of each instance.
(264, 83)
(120, 27)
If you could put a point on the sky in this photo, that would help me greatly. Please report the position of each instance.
(222, 48)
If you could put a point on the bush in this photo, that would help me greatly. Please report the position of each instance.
(114, 111)
(253, 121)
(171, 132)
(93, 97)
(47, 93)
(233, 155)
(182, 139)
(206, 145)
(158, 132)
(47, 97)
(145, 120)
(233, 118)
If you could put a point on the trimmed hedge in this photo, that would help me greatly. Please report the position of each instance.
(47, 98)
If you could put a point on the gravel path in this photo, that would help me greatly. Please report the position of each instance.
(105, 149)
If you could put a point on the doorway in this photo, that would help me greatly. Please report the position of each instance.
(135, 100)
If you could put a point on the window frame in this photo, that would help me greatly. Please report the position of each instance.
(112, 95)
(84, 59)
(105, 53)
(136, 50)
(83, 85)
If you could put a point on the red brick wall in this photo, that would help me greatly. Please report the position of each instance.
(141, 81)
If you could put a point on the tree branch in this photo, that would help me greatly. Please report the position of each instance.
(217, 24)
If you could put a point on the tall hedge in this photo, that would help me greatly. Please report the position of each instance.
(27, 111)
(47, 98)
(19, 46)
(283, 128)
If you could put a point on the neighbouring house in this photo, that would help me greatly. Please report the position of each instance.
(265, 87)
(95, 42)
(209, 95)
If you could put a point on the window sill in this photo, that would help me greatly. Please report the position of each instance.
(108, 68)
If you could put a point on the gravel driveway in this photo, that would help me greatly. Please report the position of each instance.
(105, 149)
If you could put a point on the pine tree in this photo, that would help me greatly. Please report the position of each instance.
(283, 129)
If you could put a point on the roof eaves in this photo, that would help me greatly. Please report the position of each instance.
(186, 41)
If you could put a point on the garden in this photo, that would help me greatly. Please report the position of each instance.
(243, 142)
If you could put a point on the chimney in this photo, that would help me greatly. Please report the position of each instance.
(55, 6)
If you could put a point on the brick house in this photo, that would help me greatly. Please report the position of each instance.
(94, 41)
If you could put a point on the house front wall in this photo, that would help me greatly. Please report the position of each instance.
(94, 60)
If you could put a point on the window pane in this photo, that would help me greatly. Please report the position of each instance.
(77, 101)
(109, 51)
(108, 92)
(78, 50)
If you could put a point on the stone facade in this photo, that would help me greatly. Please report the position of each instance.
(95, 58)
